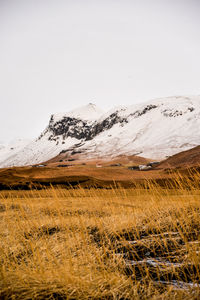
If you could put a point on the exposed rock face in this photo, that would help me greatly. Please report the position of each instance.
(106, 124)
(139, 113)
(77, 124)
(87, 130)
(172, 113)
(80, 129)
(70, 127)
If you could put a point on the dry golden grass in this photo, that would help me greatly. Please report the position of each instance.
(101, 244)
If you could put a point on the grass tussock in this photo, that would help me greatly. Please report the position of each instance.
(101, 244)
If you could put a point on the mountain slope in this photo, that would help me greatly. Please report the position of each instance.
(10, 149)
(63, 131)
(155, 129)
(184, 159)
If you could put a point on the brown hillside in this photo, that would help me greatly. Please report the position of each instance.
(185, 159)
(77, 159)
(99, 173)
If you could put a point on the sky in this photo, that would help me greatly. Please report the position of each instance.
(56, 55)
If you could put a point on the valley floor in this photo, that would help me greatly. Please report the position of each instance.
(90, 174)
(136, 243)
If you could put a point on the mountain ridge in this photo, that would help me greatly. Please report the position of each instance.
(156, 129)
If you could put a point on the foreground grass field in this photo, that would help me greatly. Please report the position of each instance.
(141, 243)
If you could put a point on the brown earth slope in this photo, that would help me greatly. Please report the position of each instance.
(185, 159)
(77, 159)
(100, 173)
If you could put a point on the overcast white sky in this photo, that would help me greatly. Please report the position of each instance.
(56, 55)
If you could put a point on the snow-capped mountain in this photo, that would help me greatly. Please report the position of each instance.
(155, 129)
(11, 148)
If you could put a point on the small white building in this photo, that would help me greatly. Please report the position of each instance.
(98, 166)
(144, 167)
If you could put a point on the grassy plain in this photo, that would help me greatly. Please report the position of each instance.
(136, 243)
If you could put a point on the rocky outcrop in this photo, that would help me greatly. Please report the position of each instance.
(69, 127)
(80, 129)
(106, 124)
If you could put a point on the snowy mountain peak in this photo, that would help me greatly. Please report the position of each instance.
(89, 112)
(155, 129)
